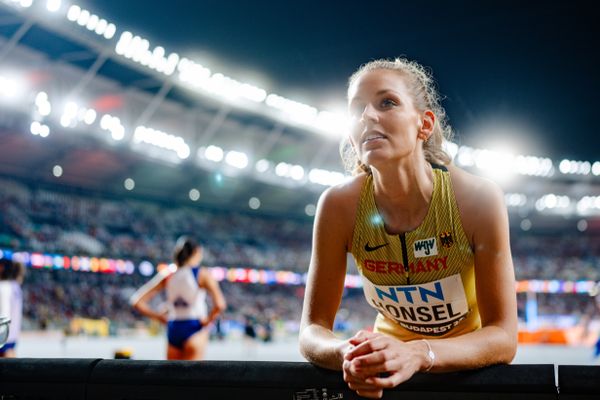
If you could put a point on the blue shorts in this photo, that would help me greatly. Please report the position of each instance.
(6, 347)
(179, 331)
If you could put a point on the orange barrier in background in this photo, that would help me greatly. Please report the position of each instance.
(547, 335)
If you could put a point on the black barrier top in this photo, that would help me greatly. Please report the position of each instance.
(133, 379)
(579, 380)
(497, 379)
(67, 370)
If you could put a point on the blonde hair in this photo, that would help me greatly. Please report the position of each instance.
(423, 90)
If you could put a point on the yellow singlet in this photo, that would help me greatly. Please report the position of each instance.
(422, 282)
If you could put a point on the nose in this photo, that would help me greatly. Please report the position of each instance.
(369, 114)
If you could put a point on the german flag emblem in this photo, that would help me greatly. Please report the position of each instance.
(446, 239)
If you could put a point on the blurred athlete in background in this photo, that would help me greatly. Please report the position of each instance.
(11, 302)
(187, 317)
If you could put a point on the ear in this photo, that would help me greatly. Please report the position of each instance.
(427, 124)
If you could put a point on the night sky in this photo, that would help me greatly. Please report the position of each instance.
(516, 75)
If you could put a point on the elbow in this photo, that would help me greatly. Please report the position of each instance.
(137, 303)
(507, 348)
(306, 345)
(303, 346)
(134, 302)
(302, 341)
(511, 351)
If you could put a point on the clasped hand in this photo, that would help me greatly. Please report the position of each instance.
(373, 362)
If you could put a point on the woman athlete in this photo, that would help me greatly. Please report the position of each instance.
(186, 287)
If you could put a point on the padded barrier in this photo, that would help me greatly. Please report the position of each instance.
(223, 380)
(45, 378)
(577, 382)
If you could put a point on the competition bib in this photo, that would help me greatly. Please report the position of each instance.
(431, 308)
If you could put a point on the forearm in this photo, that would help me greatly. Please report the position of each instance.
(487, 346)
(147, 311)
(214, 313)
(321, 347)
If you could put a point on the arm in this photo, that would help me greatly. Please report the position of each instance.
(140, 299)
(206, 281)
(325, 283)
(495, 343)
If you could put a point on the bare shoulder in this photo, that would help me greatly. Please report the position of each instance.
(204, 276)
(478, 198)
(344, 196)
(336, 212)
(471, 187)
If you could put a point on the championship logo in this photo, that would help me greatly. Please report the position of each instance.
(446, 239)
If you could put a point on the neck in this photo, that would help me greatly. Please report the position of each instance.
(406, 180)
(403, 193)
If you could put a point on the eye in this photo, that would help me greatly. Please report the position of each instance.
(387, 103)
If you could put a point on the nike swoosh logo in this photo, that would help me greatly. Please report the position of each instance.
(369, 248)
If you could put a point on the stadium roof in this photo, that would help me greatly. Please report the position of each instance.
(530, 63)
(516, 75)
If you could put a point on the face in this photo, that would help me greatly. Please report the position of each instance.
(196, 257)
(385, 124)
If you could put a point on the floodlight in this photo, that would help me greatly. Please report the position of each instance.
(89, 116)
(83, 18)
(101, 27)
(237, 159)
(296, 172)
(53, 5)
(183, 151)
(110, 31)
(254, 203)
(332, 123)
(129, 184)
(92, 23)
(282, 169)
(194, 194)
(57, 171)
(324, 177)
(310, 210)
(262, 165)
(73, 13)
(213, 153)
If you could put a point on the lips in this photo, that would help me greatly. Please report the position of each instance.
(372, 136)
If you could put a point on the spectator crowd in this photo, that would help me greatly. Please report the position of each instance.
(51, 221)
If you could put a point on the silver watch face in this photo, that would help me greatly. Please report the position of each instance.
(4, 322)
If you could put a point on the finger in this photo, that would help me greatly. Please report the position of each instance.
(373, 358)
(377, 364)
(390, 381)
(361, 336)
(357, 351)
(366, 347)
(353, 380)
